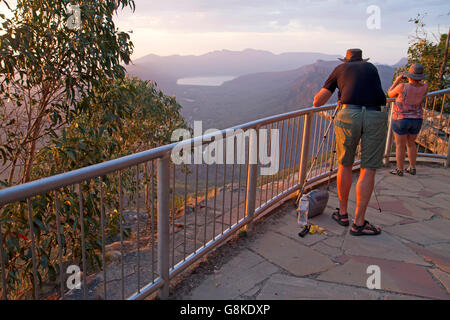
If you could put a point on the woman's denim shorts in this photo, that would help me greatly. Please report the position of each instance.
(407, 126)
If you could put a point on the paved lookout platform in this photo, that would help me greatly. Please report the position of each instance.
(273, 262)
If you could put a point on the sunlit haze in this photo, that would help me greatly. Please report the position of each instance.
(167, 27)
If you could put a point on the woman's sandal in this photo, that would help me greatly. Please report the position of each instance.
(411, 171)
(339, 218)
(362, 230)
(397, 172)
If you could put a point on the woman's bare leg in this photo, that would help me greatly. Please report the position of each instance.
(400, 143)
(412, 150)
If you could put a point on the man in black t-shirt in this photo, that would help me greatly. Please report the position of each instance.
(361, 119)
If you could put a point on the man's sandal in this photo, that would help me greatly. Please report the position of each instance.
(411, 171)
(339, 218)
(362, 230)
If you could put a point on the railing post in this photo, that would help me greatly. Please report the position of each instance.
(252, 176)
(305, 149)
(389, 139)
(163, 225)
(447, 162)
(2, 264)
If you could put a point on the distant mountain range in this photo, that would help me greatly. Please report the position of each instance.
(266, 83)
(401, 63)
(224, 62)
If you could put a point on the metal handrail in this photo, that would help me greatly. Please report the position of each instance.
(161, 156)
(33, 188)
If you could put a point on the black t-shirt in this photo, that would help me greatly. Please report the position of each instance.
(358, 83)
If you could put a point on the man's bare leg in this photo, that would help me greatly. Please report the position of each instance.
(344, 184)
(364, 189)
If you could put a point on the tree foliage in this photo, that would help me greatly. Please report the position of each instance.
(428, 50)
(66, 104)
(121, 117)
(47, 68)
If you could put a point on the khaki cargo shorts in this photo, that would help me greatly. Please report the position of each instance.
(368, 126)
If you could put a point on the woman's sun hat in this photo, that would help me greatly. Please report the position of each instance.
(416, 72)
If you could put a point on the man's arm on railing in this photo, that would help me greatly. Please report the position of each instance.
(322, 97)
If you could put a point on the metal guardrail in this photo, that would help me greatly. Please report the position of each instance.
(434, 118)
(192, 212)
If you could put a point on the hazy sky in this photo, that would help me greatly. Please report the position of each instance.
(168, 27)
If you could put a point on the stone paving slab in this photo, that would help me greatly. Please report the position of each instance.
(335, 242)
(395, 206)
(389, 190)
(437, 171)
(434, 183)
(439, 200)
(428, 232)
(394, 296)
(443, 277)
(283, 287)
(410, 184)
(327, 250)
(235, 278)
(416, 202)
(396, 276)
(290, 255)
(434, 255)
(382, 246)
(443, 247)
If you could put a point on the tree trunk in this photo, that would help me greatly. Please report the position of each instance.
(30, 160)
(35, 133)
